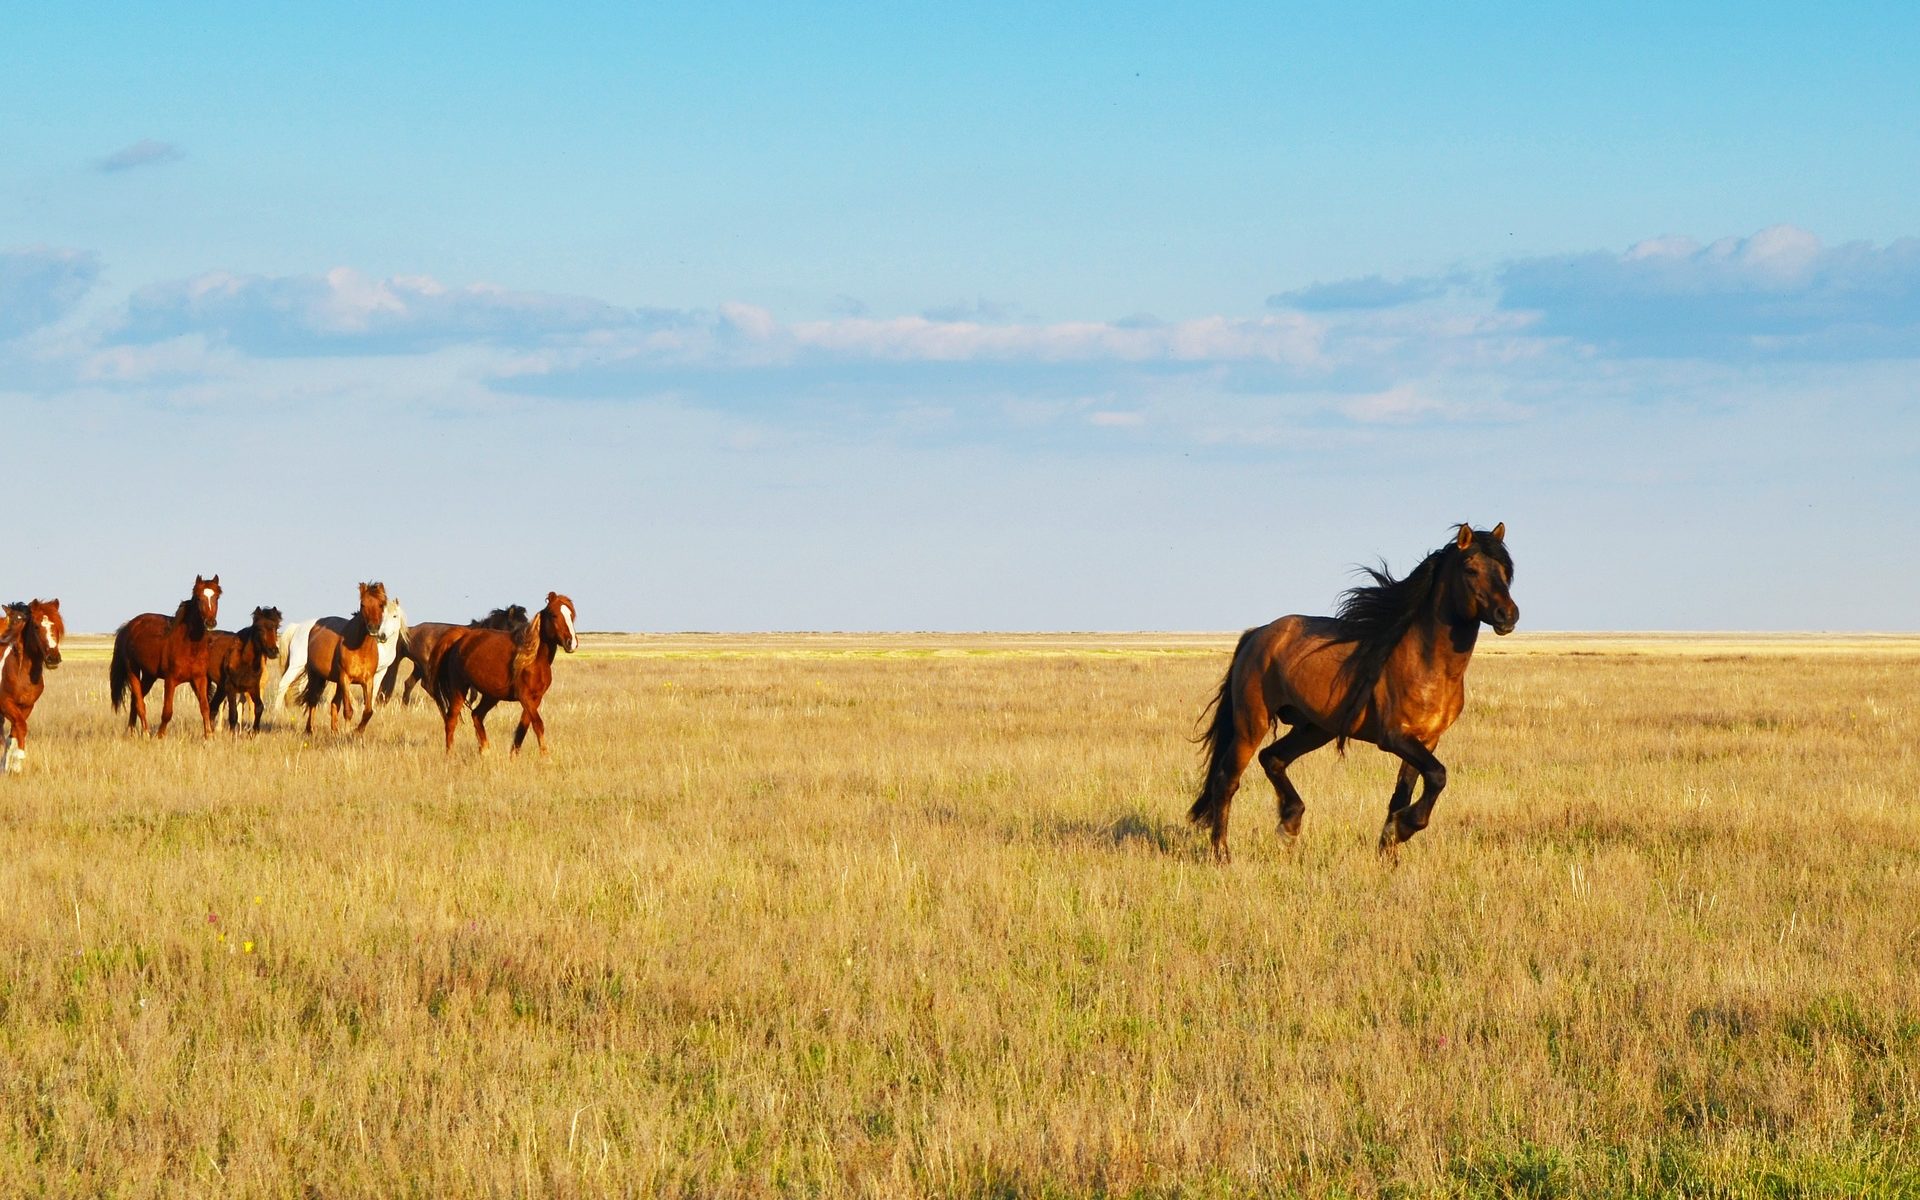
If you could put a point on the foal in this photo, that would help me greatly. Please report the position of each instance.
(237, 661)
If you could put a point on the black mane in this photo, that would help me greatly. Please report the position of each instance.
(1374, 617)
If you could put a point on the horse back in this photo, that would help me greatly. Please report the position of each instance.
(477, 659)
(1295, 667)
(222, 649)
(331, 644)
(154, 646)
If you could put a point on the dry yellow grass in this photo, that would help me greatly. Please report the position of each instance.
(920, 916)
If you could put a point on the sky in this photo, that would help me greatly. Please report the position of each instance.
(996, 316)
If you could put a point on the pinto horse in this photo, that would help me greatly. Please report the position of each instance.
(418, 643)
(236, 663)
(34, 649)
(172, 650)
(498, 666)
(295, 636)
(344, 651)
(1389, 669)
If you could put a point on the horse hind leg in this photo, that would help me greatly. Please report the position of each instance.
(137, 701)
(1236, 736)
(1275, 759)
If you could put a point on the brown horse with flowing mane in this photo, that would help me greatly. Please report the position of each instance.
(344, 651)
(1389, 669)
(30, 649)
(418, 643)
(236, 662)
(172, 650)
(498, 666)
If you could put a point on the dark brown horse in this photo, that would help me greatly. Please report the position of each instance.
(32, 650)
(498, 666)
(1389, 669)
(345, 651)
(172, 650)
(419, 642)
(236, 663)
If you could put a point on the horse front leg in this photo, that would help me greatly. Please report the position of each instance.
(199, 685)
(166, 706)
(366, 704)
(16, 723)
(530, 719)
(1404, 819)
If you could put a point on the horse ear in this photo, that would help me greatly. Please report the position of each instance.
(215, 581)
(552, 596)
(1500, 532)
(1465, 537)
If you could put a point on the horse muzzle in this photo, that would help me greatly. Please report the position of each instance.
(53, 659)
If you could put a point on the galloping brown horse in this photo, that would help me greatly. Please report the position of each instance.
(344, 651)
(37, 632)
(172, 650)
(419, 642)
(235, 662)
(503, 666)
(1389, 669)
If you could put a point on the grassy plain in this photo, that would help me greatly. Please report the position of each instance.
(920, 916)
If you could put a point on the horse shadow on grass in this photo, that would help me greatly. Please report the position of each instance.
(1131, 830)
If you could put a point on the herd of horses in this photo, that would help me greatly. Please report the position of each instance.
(1388, 668)
(505, 656)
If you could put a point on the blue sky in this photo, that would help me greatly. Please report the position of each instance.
(1010, 316)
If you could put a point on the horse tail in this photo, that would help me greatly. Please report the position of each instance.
(117, 672)
(294, 637)
(1219, 737)
(447, 692)
(315, 689)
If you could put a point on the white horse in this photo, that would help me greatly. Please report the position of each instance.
(293, 643)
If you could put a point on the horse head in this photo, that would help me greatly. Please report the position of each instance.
(206, 597)
(266, 631)
(394, 623)
(1483, 571)
(14, 626)
(47, 629)
(373, 609)
(556, 622)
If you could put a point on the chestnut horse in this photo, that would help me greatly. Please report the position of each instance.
(172, 650)
(34, 649)
(1389, 669)
(344, 651)
(418, 642)
(236, 663)
(295, 637)
(500, 666)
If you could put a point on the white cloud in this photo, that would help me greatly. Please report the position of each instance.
(1778, 292)
(41, 284)
(344, 311)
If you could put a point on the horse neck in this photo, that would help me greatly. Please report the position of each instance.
(188, 618)
(1445, 638)
(252, 646)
